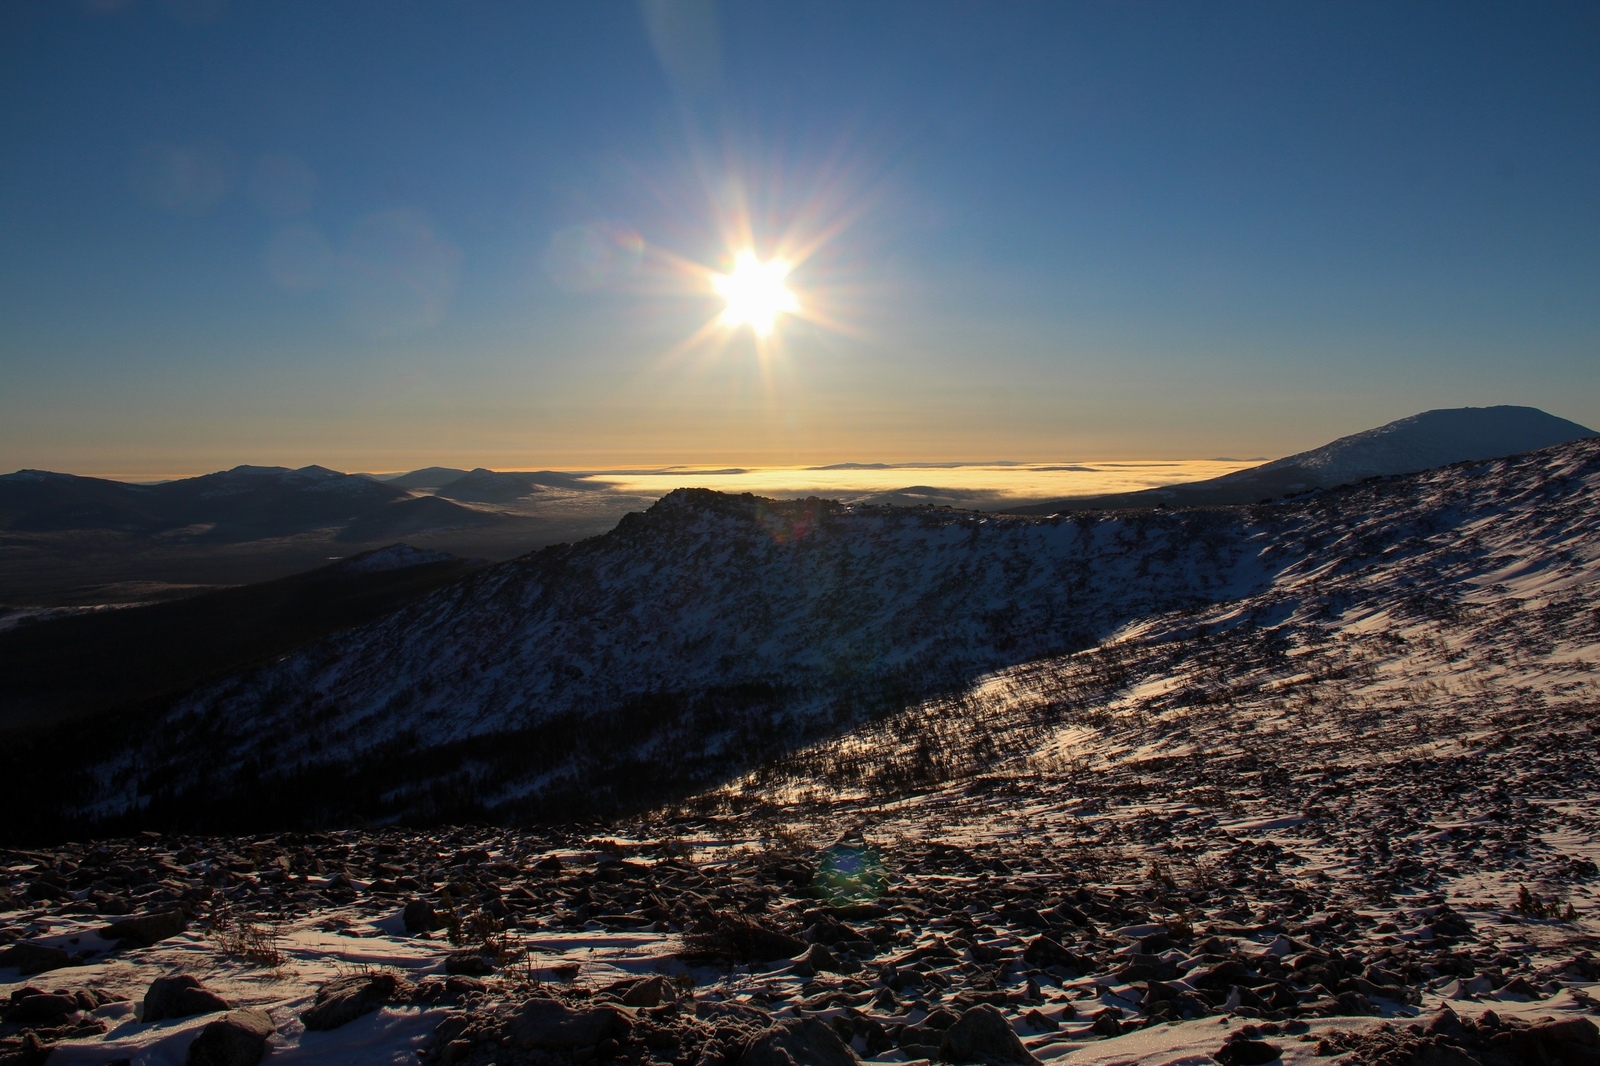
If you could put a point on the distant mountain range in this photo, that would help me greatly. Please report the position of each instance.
(245, 503)
(67, 540)
(256, 502)
(1420, 442)
(70, 540)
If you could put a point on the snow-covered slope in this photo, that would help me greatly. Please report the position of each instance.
(1408, 445)
(1430, 439)
(713, 632)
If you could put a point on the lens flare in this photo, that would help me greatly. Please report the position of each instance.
(755, 292)
(851, 872)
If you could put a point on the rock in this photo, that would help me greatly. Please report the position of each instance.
(179, 997)
(1039, 1023)
(1448, 1024)
(736, 936)
(1521, 986)
(1238, 1052)
(1571, 1040)
(345, 999)
(1352, 1004)
(90, 999)
(798, 1042)
(921, 1042)
(41, 1009)
(982, 1035)
(821, 960)
(1220, 977)
(1043, 952)
(420, 917)
(142, 930)
(651, 992)
(1435, 1052)
(29, 958)
(31, 1051)
(546, 1024)
(460, 985)
(1143, 967)
(468, 964)
(1580, 1031)
(238, 1038)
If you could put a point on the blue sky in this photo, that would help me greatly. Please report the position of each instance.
(380, 235)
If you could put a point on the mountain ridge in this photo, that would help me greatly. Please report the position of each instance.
(715, 631)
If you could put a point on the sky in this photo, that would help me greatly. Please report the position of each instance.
(382, 235)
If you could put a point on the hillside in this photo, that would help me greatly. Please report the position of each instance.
(82, 541)
(77, 667)
(716, 633)
(1420, 442)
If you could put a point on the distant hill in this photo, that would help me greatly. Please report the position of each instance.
(429, 477)
(404, 518)
(488, 486)
(492, 486)
(245, 503)
(40, 501)
(1407, 446)
(249, 502)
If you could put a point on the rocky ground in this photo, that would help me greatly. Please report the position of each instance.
(989, 921)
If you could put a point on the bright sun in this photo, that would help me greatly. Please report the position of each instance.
(755, 293)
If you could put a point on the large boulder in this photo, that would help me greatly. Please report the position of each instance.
(179, 996)
(238, 1038)
(1241, 1051)
(798, 1042)
(420, 917)
(547, 1024)
(142, 930)
(1043, 951)
(650, 992)
(29, 958)
(982, 1035)
(345, 999)
(41, 1009)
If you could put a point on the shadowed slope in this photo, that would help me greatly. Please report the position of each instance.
(77, 667)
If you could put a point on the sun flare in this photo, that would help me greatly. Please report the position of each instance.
(755, 292)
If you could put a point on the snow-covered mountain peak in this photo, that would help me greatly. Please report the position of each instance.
(1430, 439)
